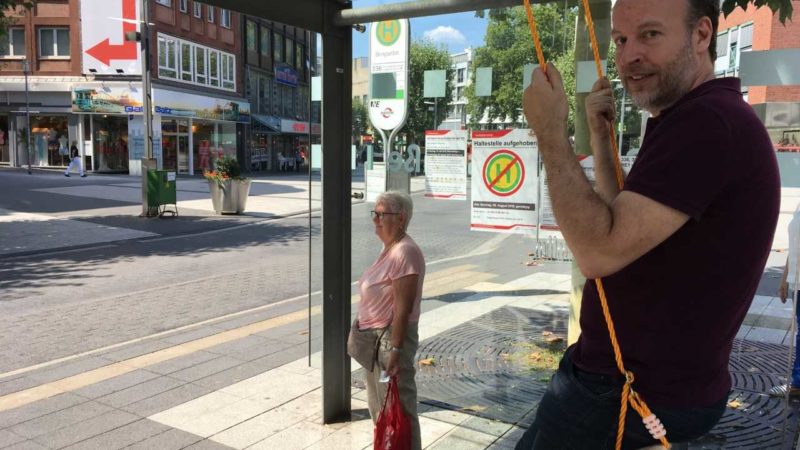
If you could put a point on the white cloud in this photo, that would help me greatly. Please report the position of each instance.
(446, 35)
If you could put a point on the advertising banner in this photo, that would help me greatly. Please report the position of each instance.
(103, 27)
(107, 99)
(446, 164)
(172, 103)
(505, 185)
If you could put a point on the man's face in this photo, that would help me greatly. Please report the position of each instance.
(655, 56)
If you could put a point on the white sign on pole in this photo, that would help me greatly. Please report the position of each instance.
(388, 66)
(548, 219)
(103, 27)
(446, 164)
(375, 181)
(505, 185)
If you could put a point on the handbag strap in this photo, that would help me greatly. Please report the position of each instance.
(392, 386)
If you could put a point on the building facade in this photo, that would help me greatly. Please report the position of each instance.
(279, 63)
(44, 43)
(85, 85)
(457, 109)
(758, 30)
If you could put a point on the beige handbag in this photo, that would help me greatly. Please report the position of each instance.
(363, 345)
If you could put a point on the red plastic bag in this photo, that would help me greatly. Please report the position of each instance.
(393, 429)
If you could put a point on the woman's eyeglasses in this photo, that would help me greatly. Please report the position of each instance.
(379, 215)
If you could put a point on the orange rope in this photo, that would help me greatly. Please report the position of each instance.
(628, 394)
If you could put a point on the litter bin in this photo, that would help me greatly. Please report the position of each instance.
(161, 191)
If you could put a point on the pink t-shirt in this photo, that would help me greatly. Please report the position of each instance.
(375, 285)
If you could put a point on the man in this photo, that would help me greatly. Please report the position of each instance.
(680, 248)
(75, 161)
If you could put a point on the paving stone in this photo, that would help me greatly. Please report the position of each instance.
(140, 392)
(25, 445)
(86, 429)
(138, 349)
(18, 384)
(166, 400)
(38, 409)
(7, 438)
(251, 369)
(121, 437)
(190, 335)
(171, 439)
(206, 369)
(60, 419)
(115, 384)
(182, 362)
(69, 368)
(207, 445)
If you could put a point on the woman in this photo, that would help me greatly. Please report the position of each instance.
(787, 288)
(391, 290)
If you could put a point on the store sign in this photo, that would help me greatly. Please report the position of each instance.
(293, 126)
(107, 99)
(286, 75)
(103, 27)
(388, 65)
(171, 103)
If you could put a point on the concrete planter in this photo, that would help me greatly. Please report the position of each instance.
(229, 196)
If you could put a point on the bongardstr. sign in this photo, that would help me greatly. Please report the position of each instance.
(388, 62)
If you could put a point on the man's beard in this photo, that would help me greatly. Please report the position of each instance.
(675, 81)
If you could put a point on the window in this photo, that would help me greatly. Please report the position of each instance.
(213, 68)
(228, 72)
(264, 47)
(200, 66)
(198, 9)
(298, 55)
(184, 5)
(186, 62)
(225, 17)
(197, 64)
(210, 14)
(277, 48)
(12, 45)
(167, 58)
(461, 75)
(251, 36)
(54, 42)
(289, 51)
(164, 2)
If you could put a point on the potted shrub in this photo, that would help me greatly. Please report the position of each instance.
(229, 189)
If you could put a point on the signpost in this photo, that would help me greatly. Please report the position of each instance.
(446, 164)
(505, 191)
(388, 105)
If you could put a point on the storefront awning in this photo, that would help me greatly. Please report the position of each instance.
(265, 124)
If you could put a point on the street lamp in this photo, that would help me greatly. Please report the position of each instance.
(26, 68)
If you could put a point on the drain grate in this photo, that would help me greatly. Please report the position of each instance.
(471, 373)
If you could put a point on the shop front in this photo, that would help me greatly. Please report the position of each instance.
(196, 130)
(261, 140)
(5, 149)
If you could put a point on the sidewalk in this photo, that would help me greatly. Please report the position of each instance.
(75, 212)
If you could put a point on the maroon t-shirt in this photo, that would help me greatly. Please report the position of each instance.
(678, 307)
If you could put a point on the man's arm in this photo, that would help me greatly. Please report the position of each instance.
(600, 116)
(604, 237)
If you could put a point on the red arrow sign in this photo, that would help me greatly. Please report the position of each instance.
(105, 51)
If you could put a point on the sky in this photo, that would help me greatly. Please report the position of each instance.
(455, 31)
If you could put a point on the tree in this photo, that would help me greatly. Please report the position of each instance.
(9, 9)
(360, 119)
(425, 55)
(508, 48)
(783, 8)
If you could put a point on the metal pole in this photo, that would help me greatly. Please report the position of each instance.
(418, 8)
(26, 69)
(310, 190)
(147, 109)
(435, 110)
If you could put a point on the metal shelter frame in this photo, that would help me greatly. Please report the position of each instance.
(334, 20)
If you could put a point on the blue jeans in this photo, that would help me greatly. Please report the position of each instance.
(580, 411)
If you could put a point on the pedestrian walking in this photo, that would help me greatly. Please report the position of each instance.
(679, 258)
(384, 337)
(787, 289)
(75, 161)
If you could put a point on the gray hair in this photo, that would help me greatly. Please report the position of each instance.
(397, 201)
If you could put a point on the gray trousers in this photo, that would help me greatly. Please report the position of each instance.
(406, 386)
